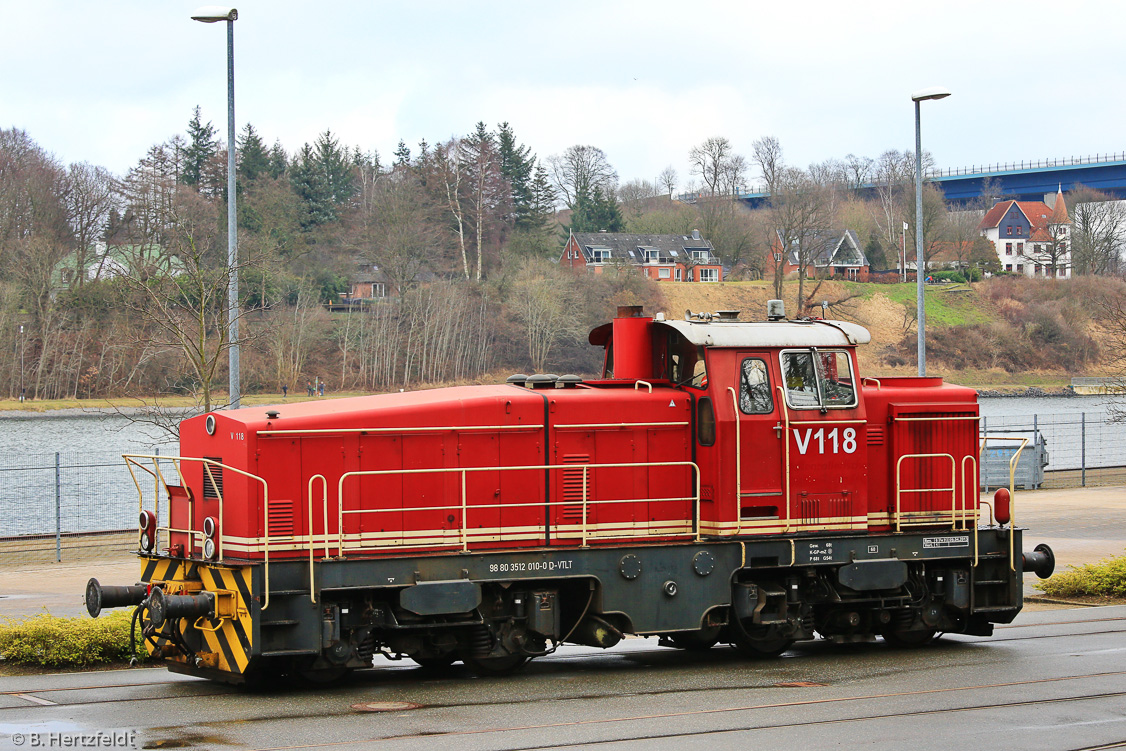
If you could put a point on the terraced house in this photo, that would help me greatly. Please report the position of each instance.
(664, 258)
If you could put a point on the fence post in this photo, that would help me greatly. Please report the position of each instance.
(1083, 446)
(58, 512)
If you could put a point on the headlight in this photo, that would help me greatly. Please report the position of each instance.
(147, 523)
(209, 424)
(210, 526)
(209, 548)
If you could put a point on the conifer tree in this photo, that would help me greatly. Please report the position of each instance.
(253, 158)
(402, 155)
(279, 160)
(311, 187)
(517, 164)
(596, 211)
(333, 162)
(201, 148)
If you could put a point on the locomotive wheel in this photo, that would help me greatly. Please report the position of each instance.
(696, 641)
(909, 639)
(758, 641)
(495, 665)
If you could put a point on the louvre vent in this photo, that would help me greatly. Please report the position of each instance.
(212, 478)
(573, 487)
(875, 435)
(281, 517)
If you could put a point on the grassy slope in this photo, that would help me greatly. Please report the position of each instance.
(887, 310)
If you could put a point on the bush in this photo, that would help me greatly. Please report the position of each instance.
(67, 642)
(950, 276)
(1107, 578)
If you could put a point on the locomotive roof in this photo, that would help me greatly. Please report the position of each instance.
(771, 334)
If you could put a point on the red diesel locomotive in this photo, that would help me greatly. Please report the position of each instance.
(723, 480)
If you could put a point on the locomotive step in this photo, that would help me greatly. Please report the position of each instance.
(290, 652)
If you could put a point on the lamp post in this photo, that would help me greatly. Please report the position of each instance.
(213, 14)
(23, 349)
(935, 92)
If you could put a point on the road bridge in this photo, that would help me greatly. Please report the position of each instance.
(1022, 181)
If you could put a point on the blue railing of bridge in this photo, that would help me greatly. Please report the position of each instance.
(760, 191)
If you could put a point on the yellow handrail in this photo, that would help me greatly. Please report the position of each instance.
(324, 504)
(899, 490)
(1012, 486)
(463, 505)
(157, 458)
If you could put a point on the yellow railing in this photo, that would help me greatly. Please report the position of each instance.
(158, 477)
(1013, 460)
(464, 506)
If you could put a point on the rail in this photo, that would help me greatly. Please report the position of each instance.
(1012, 486)
(158, 478)
(464, 507)
(900, 490)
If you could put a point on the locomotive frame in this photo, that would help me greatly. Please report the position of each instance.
(492, 524)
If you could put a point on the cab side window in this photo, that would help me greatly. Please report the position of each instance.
(836, 386)
(755, 396)
(818, 379)
(801, 379)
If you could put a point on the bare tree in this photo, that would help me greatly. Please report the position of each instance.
(447, 163)
(544, 301)
(933, 221)
(89, 199)
(579, 170)
(960, 229)
(1051, 250)
(489, 194)
(891, 173)
(711, 161)
(667, 179)
(858, 170)
(1098, 232)
(402, 235)
(185, 311)
(633, 195)
(801, 219)
(767, 156)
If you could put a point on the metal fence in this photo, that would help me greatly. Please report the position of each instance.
(1083, 449)
(69, 507)
(65, 507)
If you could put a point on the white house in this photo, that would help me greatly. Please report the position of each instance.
(1031, 237)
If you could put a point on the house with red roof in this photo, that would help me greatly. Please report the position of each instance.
(1031, 237)
(662, 258)
(832, 254)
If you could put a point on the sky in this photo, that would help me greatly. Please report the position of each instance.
(643, 81)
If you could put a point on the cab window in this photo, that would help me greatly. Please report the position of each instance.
(686, 364)
(755, 396)
(818, 379)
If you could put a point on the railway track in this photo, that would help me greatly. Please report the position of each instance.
(634, 697)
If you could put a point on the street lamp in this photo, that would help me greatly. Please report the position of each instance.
(934, 92)
(213, 14)
(23, 349)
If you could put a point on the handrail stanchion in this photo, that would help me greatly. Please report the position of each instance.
(312, 536)
(464, 517)
(584, 506)
(738, 465)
